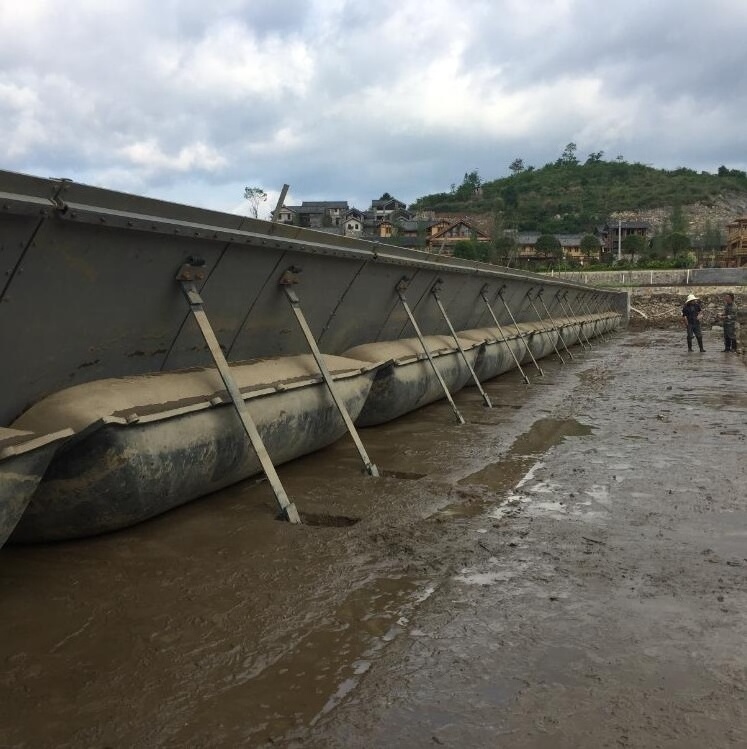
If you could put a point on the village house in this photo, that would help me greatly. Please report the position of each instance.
(443, 240)
(336, 216)
(570, 249)
(313, 214)
(613, 234)
(736, 243)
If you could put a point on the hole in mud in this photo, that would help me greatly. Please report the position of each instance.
(404, 475)
(327, 521)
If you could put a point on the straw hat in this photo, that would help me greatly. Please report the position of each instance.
(691, 298)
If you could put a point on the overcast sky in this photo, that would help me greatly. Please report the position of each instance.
(191, 101)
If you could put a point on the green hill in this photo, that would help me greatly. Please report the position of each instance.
(570, 196)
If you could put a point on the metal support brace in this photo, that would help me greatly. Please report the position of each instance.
(563, 299)
(503, 335)
(518, 330)
(436, 295)
(289, 278)
(599, 306)
(597, 323)
(188, 274)
(401, 288)
(544, 329)
(587, 311)
(554, 324)
(598, 311)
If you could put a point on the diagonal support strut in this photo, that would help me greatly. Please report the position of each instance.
(563, 300)
(401, 288)
(435, 291)
(518, 330)
(188, 274)
(544, 328)
(554, 324)
(286, 281)
(503, 335)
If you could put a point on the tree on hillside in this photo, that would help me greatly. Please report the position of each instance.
(470, 249)
(677, 221)
(549, 245)
(516, 166)
(504, 250)
(470, 187)
(503, 247)
(590, 246)
(677, 243)
(634, 245)
(738, 173)
(595, 158)
(510, 198)
(711, 242)
(568, 157)
(255, 197)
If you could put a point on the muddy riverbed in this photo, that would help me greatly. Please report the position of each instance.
(566, 570)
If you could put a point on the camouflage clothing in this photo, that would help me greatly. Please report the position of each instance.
(729, 317)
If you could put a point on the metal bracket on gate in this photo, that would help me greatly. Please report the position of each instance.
(600, 311)
(595, 323)
(554, 324)
(288, 279)
(563, 300)
(188, 274)
(400, 288)
(435, 291)
(483, 294)
(544, 327)
(518, 330)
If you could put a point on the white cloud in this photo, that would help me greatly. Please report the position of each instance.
(149, 156)
(231, 62)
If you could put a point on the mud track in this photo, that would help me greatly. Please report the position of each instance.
(566, 570)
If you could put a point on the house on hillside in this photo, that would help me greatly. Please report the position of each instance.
(354, 223)
(736, 243)
(613, 233)
(315, 214)
(573, 253)
(444, 239)
(385, 209)
(570, 244)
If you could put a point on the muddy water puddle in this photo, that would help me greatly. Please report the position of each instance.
(519, 462)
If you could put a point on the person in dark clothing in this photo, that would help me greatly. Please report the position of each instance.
(691, 314)
(729, 318)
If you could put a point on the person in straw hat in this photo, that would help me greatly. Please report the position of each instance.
(691, 315)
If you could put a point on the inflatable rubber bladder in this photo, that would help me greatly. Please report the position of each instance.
(495, 357)
(541, 338)
(405, 380)
(24, 457)
(146, 444)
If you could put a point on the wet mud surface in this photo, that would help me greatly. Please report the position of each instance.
(565, 570)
